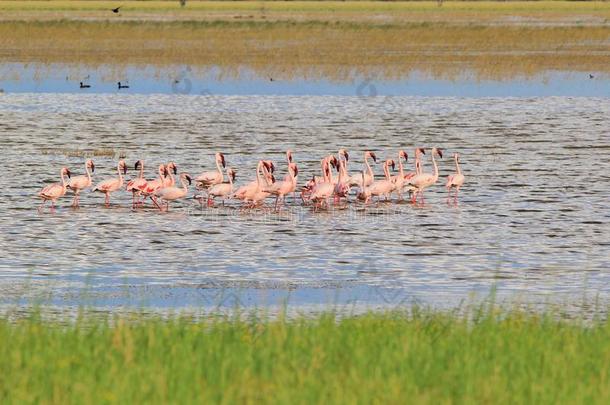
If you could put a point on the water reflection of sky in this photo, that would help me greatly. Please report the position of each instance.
(17, 78)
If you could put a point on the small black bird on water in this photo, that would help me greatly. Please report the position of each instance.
(591, 76)
(84, 86)
(116, 10)
(122, 86)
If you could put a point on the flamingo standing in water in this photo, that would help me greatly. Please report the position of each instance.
(323, 191)
(222, 190)
(169, 180)
(280, 188)
(258, 195)
(455, 180)
(207, 179)
(247, 191)
(152, 186)
(79, 183)
(424, 180)
(418, 169)
(172, 193)
(363, 193)
(386, 186)
(109, 186)
(399, 180)
(369, 176)
(137, 185)
(54, 191)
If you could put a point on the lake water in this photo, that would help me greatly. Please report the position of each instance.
(533, 219)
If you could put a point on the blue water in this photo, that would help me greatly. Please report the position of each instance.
(18, 78)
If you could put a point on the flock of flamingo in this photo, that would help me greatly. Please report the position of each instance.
(319, 191)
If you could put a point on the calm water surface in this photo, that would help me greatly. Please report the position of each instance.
(533, 220)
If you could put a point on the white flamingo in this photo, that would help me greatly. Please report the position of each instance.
(56, 190)
(109, 186)
(172, 193)
(424, 180)
(79, 183)
(369, 176)
(455, 180)
(383, 187)
(222, 190)
(207, 179)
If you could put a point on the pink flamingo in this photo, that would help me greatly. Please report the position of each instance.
(137, 185)
(152, 186)
(54, 191)
(280, 188)
(418, 169)
(323, 191)
(386, 186)
(455, 180)
(363, 193)
(172, 193)
(207, 179)
(342, 187)
(79, 183)
(399, 179)
(247, 191)
(109, 186)
(222, 190)
(169, 180)
(369, 176)
(423, 180)
(259, 194)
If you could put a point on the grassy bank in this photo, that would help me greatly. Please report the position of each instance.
(415, 357)
(336, 51)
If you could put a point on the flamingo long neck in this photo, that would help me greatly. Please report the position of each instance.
(400, 168)
(457, 166)
(368, 166)
(219, 170)
(417, 162)
(435, 167)
(63, 180)
(88, 171)
(161, 174)
(230, 179)
(118, 169)
(184, 185)
(386, 170)
(324, 174)
(294, 178)
(258, 175)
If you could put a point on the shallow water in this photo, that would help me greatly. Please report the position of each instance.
(532, 220)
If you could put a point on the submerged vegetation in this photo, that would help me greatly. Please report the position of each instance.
(335, 40)
(418, 356)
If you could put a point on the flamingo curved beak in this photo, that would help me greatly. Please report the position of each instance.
(296, 170)
(68, 173)
(422, 151)
(374, 157)
(137, 165)
(222, 160)
(188, 178)
(175, 169)
(233, 175)
(124, 169)
(92, 167)
(440, 152)
(290, 156)
(393, 165)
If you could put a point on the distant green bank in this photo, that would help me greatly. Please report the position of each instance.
(486, 356)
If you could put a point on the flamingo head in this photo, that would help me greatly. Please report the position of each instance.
(390, 162)
(372, 156)
(164, 170)
(269, 165)
(343, 152)
(221, 158)
(171, 166)
(137, 165)
(90, 165)
(294, 169)
(334, 161)
(231, 173)
(404, 155)
(65, 171)
(420, 150)
(289, 155)
(123, 166)
(187, 177)
(272, 179)
(439, 152)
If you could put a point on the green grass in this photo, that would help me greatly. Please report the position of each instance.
(487, 356)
